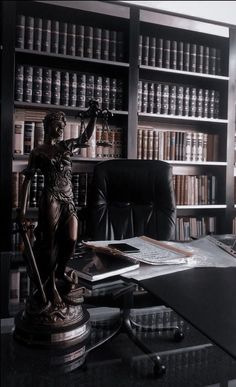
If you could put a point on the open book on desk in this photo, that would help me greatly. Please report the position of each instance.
(151, 251)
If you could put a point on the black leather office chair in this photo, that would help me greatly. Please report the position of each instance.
(132, 198)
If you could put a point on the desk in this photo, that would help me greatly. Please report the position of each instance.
(206, 297)
(118, 361)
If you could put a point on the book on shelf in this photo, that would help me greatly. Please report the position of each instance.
(95, 266)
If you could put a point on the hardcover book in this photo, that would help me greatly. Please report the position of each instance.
(97, 266)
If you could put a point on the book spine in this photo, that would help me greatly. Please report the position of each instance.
(165, 99)
(166, 54)
(79, 40)
(38, 30)
(28, 136)
(89, 92)
(62, 38)
(39, 134)
(88, 41)
(206, 103)
(172, 101)
(158, 98)
(47, 86)
(65, 88)
(159, 53)
(186, 56)
(212, 103)
(186, 100)
(200, 58)
(75, 183)
(139, 143)
(20, 31)
(139, 108)
(113, 93)
(179, 100)
(71, 37)
(180, 56)
(217, 105)
(212, 60)
(105, 92)
(46, 35)
(140, 49)
(173, 55)
(150, 145)
(206, 56)
(28, 83)
(144, 144)
(15, 189)
(152, 52)
(120, 94)
(81, 90)
(37, 84)
(56, 87)
(55, 37)
(18, 139)
(29, 33)
(105, 44)
(112, 45)
(120, 47)
(144, 96)
(145, 50)
(72, 89)
(19, 82)
(218, 61)
(193, 102)
(150, 103)
(155, 145)
(193, 58)
(97, 43)
(199, 110)
(33, 191)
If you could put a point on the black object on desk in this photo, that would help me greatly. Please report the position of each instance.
(206, 297)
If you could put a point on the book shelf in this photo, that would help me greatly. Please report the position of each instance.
(172, 95)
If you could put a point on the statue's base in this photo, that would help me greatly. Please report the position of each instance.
(42, 331)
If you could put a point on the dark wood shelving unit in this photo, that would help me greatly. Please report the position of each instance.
(133, 21)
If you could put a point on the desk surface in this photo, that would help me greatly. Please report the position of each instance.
(206, 297)
(118, 361)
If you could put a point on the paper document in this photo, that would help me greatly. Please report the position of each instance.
(152, 252)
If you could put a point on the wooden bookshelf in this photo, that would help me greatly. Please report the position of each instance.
(133, 22)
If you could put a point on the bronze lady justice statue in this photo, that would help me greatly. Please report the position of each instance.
(57, 230)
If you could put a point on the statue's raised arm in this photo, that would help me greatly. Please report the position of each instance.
(92, 113)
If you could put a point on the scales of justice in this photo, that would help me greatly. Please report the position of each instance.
(54, 313)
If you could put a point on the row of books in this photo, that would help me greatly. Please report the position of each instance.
(80, 186)
(59, 37)
(29, 134)
(194, 227)
(179, 55)
(44, 85)
(195, 189)
(180, 100)
(154, 144)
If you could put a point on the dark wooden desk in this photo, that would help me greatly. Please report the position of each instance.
(206, 297)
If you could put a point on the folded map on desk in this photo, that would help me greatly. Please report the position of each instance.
(151, 251)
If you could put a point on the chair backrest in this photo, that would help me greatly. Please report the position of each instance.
(132, 198)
